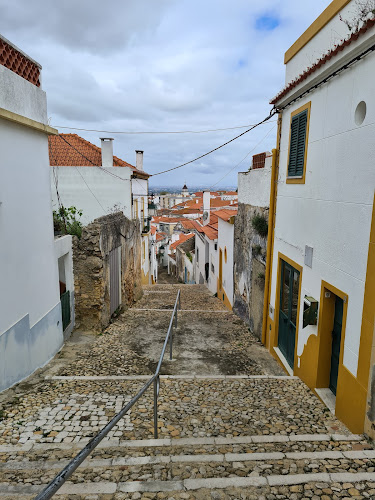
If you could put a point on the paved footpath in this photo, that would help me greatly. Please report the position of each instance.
(231, 424)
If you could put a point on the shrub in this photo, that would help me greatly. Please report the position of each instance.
(257, 249)
(260, 224)
(65, 221)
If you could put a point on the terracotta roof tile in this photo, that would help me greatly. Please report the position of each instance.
(353, 36)
(225, 214)
(72, 151)
(182, 239)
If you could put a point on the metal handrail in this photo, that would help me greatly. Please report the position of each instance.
(62, 476)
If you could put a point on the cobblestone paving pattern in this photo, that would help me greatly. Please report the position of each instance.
(68, 411)
(309, 491)
(205, 342)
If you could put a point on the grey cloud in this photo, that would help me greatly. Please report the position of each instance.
(161, 65)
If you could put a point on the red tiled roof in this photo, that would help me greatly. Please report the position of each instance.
(210, 232)
(320, 62)
(161, 236)
(166, 220)
(187, 224)
(225, 214)
(153, 230)
(75, 151)
(182, 239)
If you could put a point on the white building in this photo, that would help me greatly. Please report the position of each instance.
(95, 181)
(225, 243)
(30, 319)
(323, 254)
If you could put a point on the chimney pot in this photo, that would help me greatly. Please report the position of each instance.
(107, 151)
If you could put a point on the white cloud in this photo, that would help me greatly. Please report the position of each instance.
(165, 65)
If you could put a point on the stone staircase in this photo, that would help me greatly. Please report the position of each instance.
(273, 466)
(236, 437)
(243, 432)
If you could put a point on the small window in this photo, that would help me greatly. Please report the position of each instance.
(299, 127)
(215, 246)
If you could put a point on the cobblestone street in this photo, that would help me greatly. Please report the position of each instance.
(231, 424)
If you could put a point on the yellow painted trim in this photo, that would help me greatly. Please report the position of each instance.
(220, 286)
(223, 297)
(268, 324)
(145, 278)
(225, 255)
(329, 13)
(299, 180)
(27, 122)
(274, 341)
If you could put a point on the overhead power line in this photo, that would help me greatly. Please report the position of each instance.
(153, 131)
(244, 158)
(272, 113)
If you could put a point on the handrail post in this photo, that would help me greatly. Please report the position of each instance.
(175, 318)
(156, 391)
(179, 299)
(171, 343)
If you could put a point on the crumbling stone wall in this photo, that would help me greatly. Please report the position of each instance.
(92, 270)
(249, 268)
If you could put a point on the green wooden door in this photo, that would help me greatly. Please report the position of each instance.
(289, 291)
(336, 342)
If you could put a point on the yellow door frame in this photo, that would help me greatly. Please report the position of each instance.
(220, 269)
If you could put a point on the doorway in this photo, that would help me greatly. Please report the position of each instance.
(288, 310)
(336, 342)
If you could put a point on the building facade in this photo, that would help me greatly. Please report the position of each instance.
(320, 279)
(30, 320)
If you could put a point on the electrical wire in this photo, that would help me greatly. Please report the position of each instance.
(244, 158)
(88, 187)
(154, 132)
(272, 113)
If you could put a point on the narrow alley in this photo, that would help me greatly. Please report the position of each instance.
(231, 424)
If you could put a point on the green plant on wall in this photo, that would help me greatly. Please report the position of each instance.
(260, 224)
(189, 256)
(66, 221)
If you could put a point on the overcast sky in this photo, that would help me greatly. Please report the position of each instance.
(163, 65)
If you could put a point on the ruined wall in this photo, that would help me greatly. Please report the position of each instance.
(92, 270)
(249, 268)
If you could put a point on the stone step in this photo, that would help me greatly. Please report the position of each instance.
(345, 484)
(195, 467)
(271, 440)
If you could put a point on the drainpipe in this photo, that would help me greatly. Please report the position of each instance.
(271, 229)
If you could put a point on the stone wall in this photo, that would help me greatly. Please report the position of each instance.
(91, 268)
(249, 268)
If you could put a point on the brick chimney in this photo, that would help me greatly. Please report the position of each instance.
(139, 160)
(107, 151)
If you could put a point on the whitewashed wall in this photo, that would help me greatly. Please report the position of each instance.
(199, 262)
(214, 259)
(254, 185)
(226, 240)
(326, 39)
(331, 212)
(64, 257)
(30, 318)
(93, 191)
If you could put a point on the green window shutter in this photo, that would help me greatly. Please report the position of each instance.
(297, 145)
